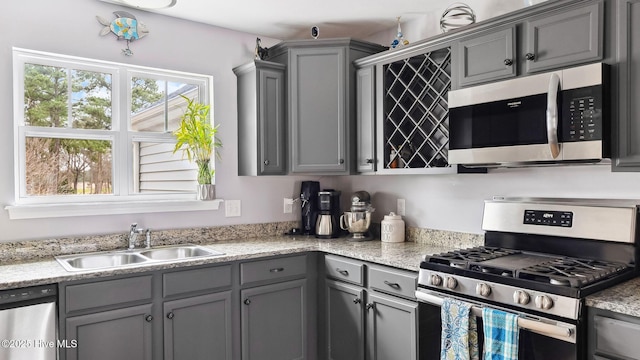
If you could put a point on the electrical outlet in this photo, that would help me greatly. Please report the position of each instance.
(288, 205)
(400, 207)
(232, 208)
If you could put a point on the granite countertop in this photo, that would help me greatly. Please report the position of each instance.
(406, 255)
(623, 298)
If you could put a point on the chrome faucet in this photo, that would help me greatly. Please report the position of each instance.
(133, 235)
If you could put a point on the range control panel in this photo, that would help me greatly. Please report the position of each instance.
(548, 218)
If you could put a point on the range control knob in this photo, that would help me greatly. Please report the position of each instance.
(483, 289)
(450, 283)
(521, 297)
(435, 280)
(543, 302)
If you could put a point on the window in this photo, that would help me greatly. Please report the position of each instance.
(95, 131)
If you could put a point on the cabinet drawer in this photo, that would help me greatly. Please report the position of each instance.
(616, 337)
(394, 282)
(273, 269)
(185, 281)
(107, 293)
(344, 269)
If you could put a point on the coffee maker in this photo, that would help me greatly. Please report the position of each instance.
(327, 224)
(309, 199)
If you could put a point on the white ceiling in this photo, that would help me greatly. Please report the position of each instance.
(292, 19)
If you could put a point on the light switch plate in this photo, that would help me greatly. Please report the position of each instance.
(288, 205)
(400, 207)
(232, 208)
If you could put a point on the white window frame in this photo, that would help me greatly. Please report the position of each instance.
(123, 199)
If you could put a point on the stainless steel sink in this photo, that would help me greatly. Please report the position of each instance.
(130, 258)
(178, 252)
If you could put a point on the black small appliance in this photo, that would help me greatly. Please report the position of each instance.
(309, 199)
(327, 223)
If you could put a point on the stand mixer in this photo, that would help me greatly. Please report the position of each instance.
(358, 220)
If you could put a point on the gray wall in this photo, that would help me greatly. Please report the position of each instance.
(70, 27)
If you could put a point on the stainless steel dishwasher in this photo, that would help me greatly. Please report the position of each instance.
(28, 323)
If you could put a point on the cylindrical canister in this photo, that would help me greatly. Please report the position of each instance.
(392, 228)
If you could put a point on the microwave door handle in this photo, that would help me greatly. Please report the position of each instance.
(552, 115)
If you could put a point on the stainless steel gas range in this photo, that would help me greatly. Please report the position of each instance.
(541, 258)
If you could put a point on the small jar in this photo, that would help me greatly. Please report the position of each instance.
(392, 228)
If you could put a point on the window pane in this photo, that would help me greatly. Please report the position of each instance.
(147, 104)
(158, 169)
(150, 106)
(91, 100)
(177, 105)
(45, 96)
(68, 166)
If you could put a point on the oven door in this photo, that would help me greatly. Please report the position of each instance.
(540, 338)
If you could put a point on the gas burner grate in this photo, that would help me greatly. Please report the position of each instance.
(570, 272)
(464, 258)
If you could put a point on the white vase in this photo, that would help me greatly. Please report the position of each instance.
(206, 191)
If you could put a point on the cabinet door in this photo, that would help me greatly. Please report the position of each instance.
(274, 323)
(317, 95)
(568, 38)
(487, 57)
(391, 328)
(271, 115)
(345, 321)
(626, 131)
(198, 327)
(365, 119)
(123, 334)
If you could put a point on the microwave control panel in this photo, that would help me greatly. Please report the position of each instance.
(582, 114)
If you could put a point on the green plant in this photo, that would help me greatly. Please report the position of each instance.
(196, 137)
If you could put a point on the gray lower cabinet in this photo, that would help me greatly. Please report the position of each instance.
(261, 118)
(613, 335)
(626, 131)
(345, 321)
(375, 322)
(274, 321)
(123, 334)
(486, 57)
(392, 328)
(198, 327)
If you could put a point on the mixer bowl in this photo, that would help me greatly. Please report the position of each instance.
(356, 222)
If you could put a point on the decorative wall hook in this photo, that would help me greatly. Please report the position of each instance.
(125, 26)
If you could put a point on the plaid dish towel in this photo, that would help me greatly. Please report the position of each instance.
(500, 335)
(459, 331)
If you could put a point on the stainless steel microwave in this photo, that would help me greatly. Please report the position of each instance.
(550, 118)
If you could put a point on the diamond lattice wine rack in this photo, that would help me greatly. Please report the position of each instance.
(416, 115)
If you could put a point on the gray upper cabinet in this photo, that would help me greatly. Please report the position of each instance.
(487, 56)
(365, 114)
(261, 118)
(563, 39)
(626, 131)
(321, 91)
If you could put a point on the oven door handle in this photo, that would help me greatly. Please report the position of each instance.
(552, 115)
(552, 330)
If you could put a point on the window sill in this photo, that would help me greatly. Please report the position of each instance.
(39, 211)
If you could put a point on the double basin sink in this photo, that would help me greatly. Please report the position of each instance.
(130, 258)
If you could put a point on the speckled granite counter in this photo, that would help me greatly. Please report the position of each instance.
(405, 255)
(623, 298)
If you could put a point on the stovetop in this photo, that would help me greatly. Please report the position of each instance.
(563, 275)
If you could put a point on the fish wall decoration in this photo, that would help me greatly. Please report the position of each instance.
(125, 26)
